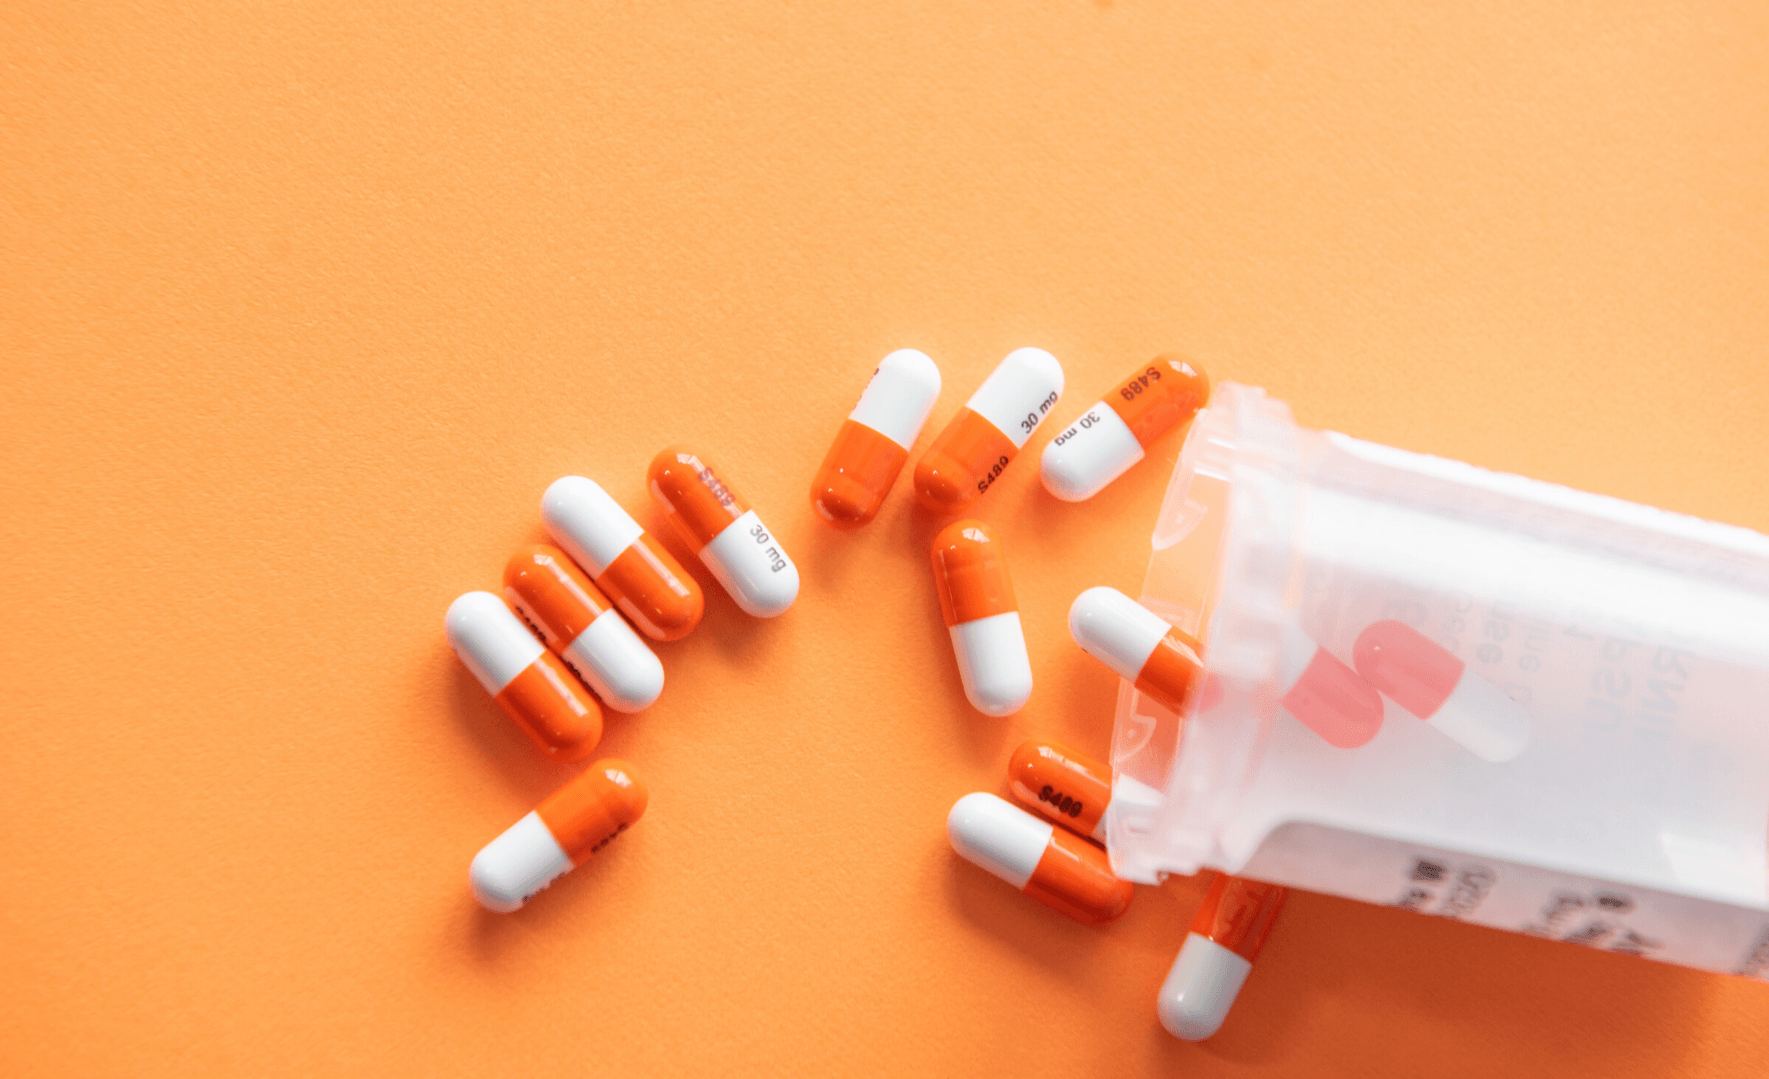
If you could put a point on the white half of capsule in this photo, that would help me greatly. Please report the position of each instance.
(514, 866)
(753, 567)
(490, 639)
(1200, 989)
(582, 518)
(993, 664)
(1090, 453)
(613, 661)
(1019, 393)
(1483, 720)
(1115, 629)
(1002, 838)
(902, 392)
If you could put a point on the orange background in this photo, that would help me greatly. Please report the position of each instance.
(302, 306)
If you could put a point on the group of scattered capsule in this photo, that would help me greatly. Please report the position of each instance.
(1063, 868)
(559, 628)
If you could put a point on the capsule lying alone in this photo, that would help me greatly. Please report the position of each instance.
(1160, 659)
(988, 431)
(528, 682)
(644, 580)
(875, 439)
(977, 602)
(1230, 928)
(575, 821)
(582, 628)
(727, 535)
(1114, 434)
(1328, 697)
(1428, 681)
(1060, 870)
(1070, 788)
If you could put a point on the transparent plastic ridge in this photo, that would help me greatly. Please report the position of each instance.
(1240, 455)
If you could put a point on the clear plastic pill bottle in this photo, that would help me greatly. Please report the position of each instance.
(1600, 772)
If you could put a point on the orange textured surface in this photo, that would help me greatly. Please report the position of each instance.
(303, 305)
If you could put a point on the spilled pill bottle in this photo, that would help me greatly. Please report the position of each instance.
(1466, 694)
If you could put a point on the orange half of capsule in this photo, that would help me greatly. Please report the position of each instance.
(700, 504)
(1171, 670)
(1075, 877)
(651, 588)
(1238, 913)
(969, 455)
(551, 594)
(856, 475)
(1165, 392)
(1068, 787)
(587, 813)
(970, 571)
(555, 712)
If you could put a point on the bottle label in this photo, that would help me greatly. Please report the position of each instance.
(1585, 911)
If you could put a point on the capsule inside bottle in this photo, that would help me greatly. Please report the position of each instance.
(1428, 681)
(1325, 695)
(1059, 869)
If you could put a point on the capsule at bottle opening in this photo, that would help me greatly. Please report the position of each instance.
(1060, 870)
(1138, 645)
(1068, 787)
(1230, 928)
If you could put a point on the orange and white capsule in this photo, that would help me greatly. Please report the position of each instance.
(528, 682)
(1161, 660)
(727, 535)
(582, 628)
(1231, 927)
(1070, 788)
(576, 821)
(1324, 694)
(977, 602)
(1115, 433)
(1060, 870)
(989, 431)
(1427, 680)
(874, 441)
(644, 580)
